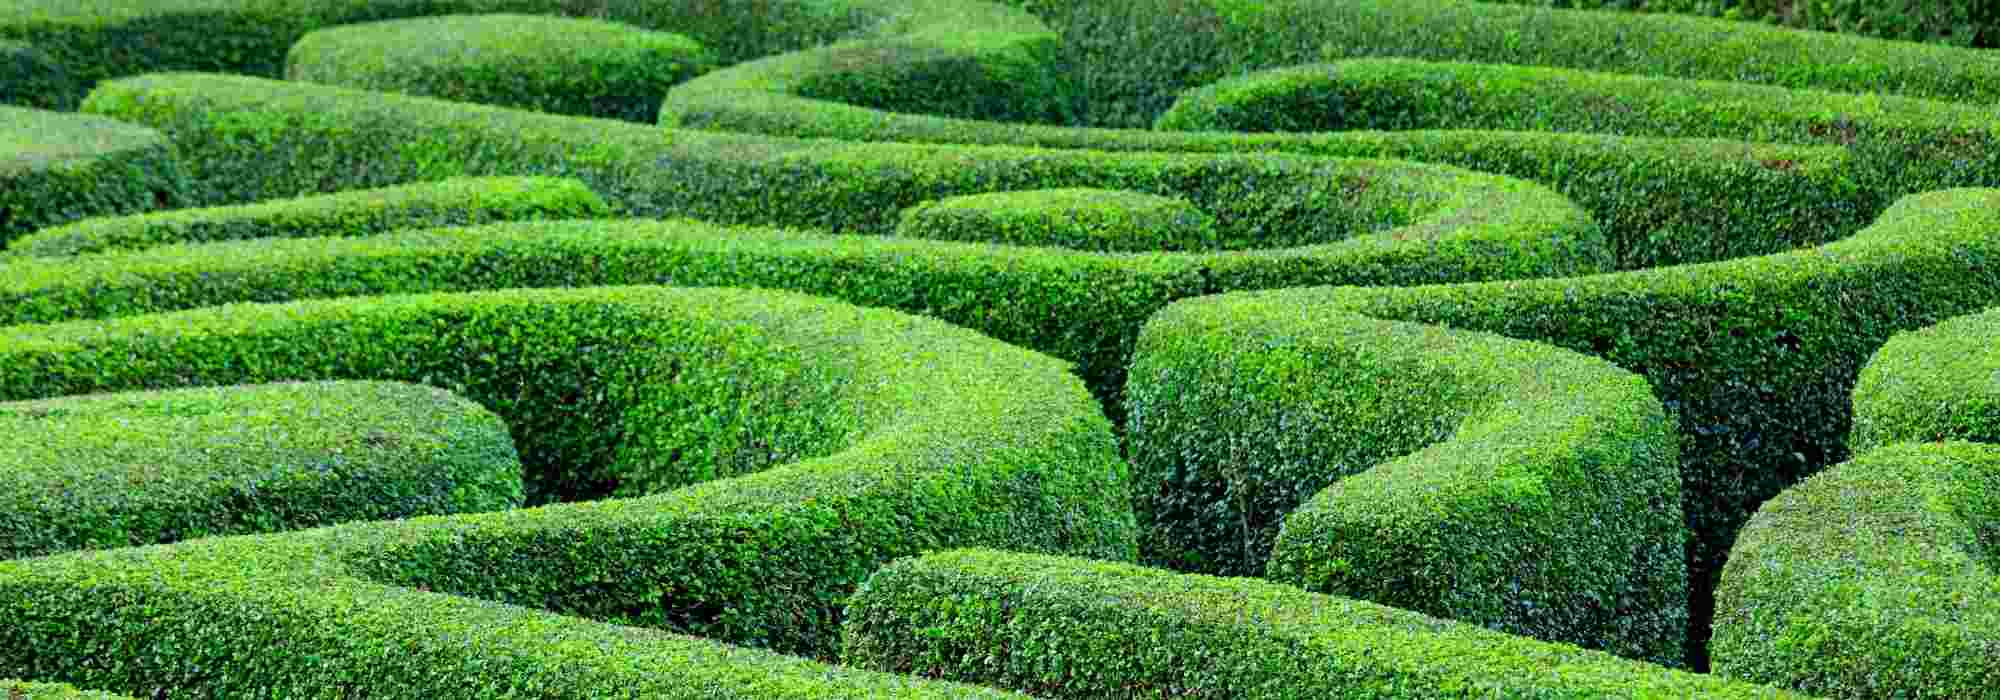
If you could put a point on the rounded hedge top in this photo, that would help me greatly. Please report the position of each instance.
(1937, 383)
(553, 64)
(57, 167)
(34, 139)
(1079, 217)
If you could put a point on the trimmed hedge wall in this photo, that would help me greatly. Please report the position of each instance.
(132, 469)
(551, 64)
(1954, 22)
(449, 202)
(1909, 145)
(1061, 627)
(1487, 480)
(769, 450)
(30, 78)
(1873, 579)
(1077, 218)
(18, 690)
(1932, 384)
(1756, 356)
(56, 168)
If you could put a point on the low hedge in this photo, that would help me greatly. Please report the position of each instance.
(20, 690)
(767, 451)
(56, 168)
(1661, 201)
(1061, 627)
(30, 78)
(241, 460)
(455, 201)
(1756, 356)
(1482, 479)
(1077, 218)
(1908, 144)
(1931, 384)
(1954, 22)
(551, 64)
(1874, 579)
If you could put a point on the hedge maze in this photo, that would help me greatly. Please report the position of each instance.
(992, 348)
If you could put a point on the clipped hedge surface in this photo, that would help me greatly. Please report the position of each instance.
(1062, 627)
(551, 64)
(1079, 218)
(1970, 23)
(455, 201)
(1872, 579)
(131, 469)
(1756, 356)
(1931, 384)
(768, 451)
(58, 167)
(1482, 479)
(19, 690)
(30, 78)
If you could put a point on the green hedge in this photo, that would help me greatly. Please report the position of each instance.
(1481, 479)
(1954, 22)
(131, 469)
(1874, 579)
(18, 690)
(56, 168)
(1932, 384)
(1908, 144)
(1060, 627)
(551, 64)
(449, 202)
(1078, 218)
(95, 40)
(1756, 356)
(30, 78)
(767, 451)
(1661, 201)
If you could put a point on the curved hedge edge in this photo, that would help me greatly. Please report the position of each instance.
(29, 77)
(1909, 144)
(1965, 23)
(454, 201)
(560, 65)
(59, 167)
(1931, 384)
(1070, 628)
(242, 460)
(1756, 356)
(1873, 579)
(792, 444)
(1492, 481)
(22, 690)
(1077, 218)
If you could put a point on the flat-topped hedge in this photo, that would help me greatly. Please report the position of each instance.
(1061, 627)
(561, 65)
(96, 472)
(58, 167)
(1080, 218)
(1932, 384)
(1873, 579)
(454, 201)
(766, 451)
(1756, 356)
(1482, 479)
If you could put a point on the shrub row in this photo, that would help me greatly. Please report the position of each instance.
(1873, 579)
(1931, 385)
(1907, 144)
(456, 201)
(768, 451)
(1756, 356)
(1487, 480)
(551, 64)
(94, 40)
(18, 690)
(1661, 201)
(56, 168)
(1069, 628)
(1077, 218)
(30, 78)
(133, 469)
(1954, 22)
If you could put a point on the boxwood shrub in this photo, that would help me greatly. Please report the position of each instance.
(764, 452)
(551, 64)
(1756, 356)
(1063, 627)
(142, 468)
(1873, 579)
(1954, 22)
(1931, 384)
(1482, 479)
(1080, 218)
(454, 201)
(59, 167)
